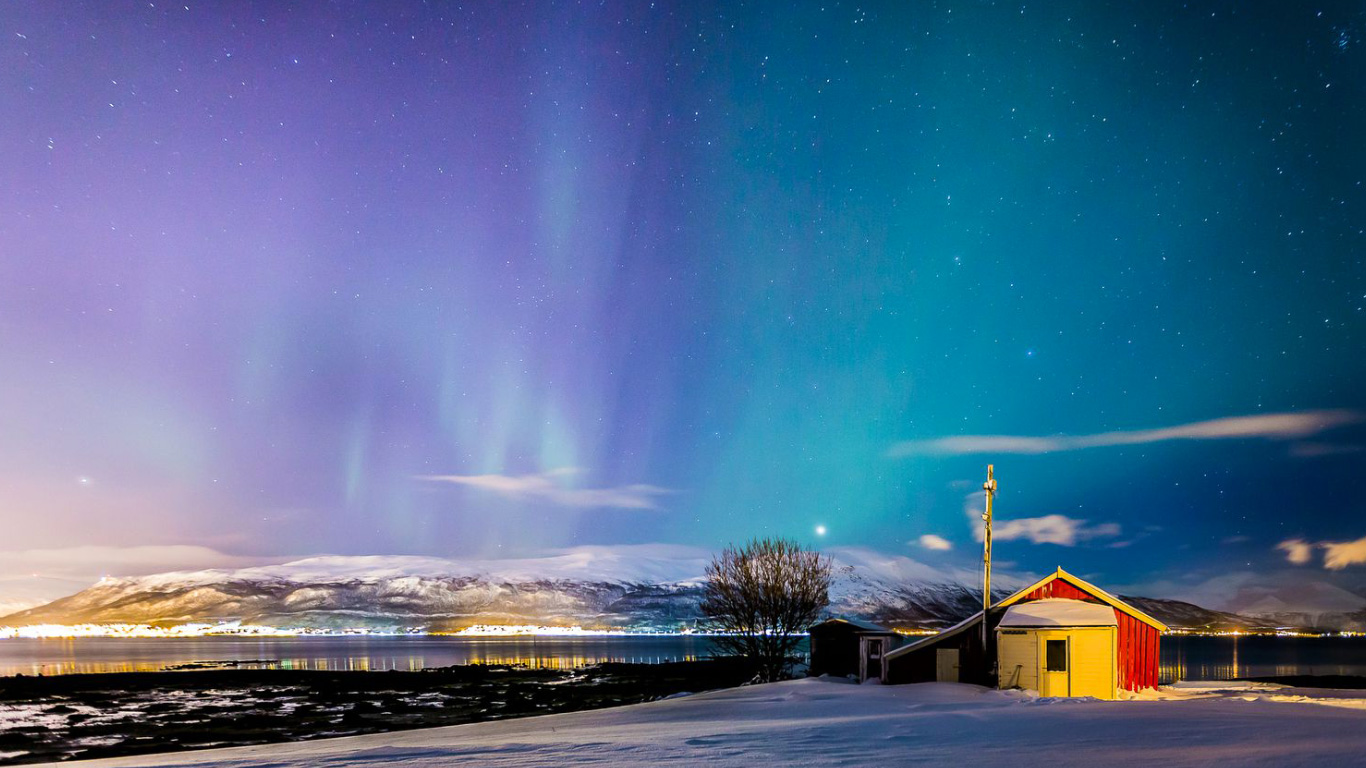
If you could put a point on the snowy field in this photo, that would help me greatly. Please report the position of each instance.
(823, 722)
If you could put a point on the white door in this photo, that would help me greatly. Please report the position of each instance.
(946, 665)
(1018, 659)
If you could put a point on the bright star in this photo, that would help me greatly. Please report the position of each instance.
(820, 530)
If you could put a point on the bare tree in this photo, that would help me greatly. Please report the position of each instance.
(763, 596)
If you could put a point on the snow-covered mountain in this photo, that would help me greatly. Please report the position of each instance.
(1281, 598)
(636, 587)
(588, 586)
(1183, 615)
(1302, 603)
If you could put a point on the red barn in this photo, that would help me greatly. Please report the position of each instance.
(1055, 636)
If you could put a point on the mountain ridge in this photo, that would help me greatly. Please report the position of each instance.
(634, 588)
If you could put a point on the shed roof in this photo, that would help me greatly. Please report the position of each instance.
(1058, 612)
(924, 641)
(862, 626)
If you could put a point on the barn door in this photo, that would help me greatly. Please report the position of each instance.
(1055, 664)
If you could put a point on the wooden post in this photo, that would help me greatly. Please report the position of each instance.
(990, 487)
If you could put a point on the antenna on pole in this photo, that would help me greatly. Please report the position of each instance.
(990, 487)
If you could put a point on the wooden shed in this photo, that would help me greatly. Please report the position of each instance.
(1017, 644)
(1058, 647)
(848, 647)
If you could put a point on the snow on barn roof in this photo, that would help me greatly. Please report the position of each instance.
(1059, 612)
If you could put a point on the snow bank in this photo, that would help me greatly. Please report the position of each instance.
(824, 723)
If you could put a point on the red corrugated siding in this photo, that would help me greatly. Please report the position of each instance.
(1057, 588)
(1138, 646)
(1138, 642)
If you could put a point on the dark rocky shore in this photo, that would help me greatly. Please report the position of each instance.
(87, 716)
(1340, 682)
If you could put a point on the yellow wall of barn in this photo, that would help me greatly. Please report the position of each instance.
(1019, 660)
(1091, 655)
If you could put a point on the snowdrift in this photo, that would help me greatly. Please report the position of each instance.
(820, 722)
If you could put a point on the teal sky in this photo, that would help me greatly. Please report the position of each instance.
(402, 278)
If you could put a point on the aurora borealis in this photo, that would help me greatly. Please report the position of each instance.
(419, 278)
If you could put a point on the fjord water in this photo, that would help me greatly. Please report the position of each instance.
(1183, 657)
(64, 656)
(1231, 658)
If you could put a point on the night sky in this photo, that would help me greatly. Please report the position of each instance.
(496, 279)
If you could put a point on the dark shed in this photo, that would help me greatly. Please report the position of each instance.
(954, 656)
(844, 647)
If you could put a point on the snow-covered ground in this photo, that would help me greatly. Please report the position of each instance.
(824, 722)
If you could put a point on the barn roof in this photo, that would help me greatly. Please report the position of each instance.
(1058, 612)
(1060, 574)
(1088, 588)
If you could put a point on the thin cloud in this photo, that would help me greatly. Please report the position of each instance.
(93, 561)
(1052, 529)
(1297, 551)
(1269, 426)
(1337, 555)
(30, 577)
(549, 487)
(1340, 554)
(1049, 529)
(935, 542)
(1313, 450)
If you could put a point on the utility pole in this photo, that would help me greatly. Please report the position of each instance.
(990, 487)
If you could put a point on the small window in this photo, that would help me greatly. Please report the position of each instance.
(1055, 652)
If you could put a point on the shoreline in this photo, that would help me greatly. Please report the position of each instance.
(1336, 682)
(114, 714)
(82, 716)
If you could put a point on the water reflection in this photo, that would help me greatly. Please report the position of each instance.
(62, 656)
(1234, 657)
(1183, 657)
